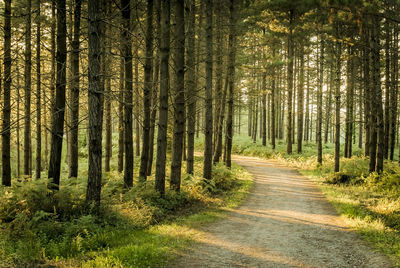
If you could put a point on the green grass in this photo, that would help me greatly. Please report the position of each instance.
(134, 228)
(369, 203)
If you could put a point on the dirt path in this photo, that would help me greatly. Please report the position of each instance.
(285, 222)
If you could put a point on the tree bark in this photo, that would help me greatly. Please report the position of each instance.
(121, 114)
(38, 167)
(73, 167)
(231, 86)
(337, 100)
(179, 101)
(96, 90)
(163, 98)
(208, 150)
(191, 84)
(155, 90)
(147, 92)
(290, 84)
(300, 102)
(377, 87)
(394, 91)
(59, 105)
(367, 91)
(5, 134)
(387, 91)
(319, 99)
(28, 65)
(127, 54)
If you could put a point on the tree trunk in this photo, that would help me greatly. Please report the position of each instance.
(307, 116)
(59, 105)
(147, 92)
(300, 103)
(231, 80)
(191, 84)
(319, 99)
(264, 110)
(5, 134)
(163, 106)
(273, 95)
(121, 114)
(387, 91)
(218, 150)
(137, 106)
(350, 104)
(208, 150)
(107, 106)
(290, 84)
(96, 89)
(18, 115)
(38, 167)
(337, 101)
(28, 64)
(73, 167)
(394, 91)
(155, 89)
(218, 73)
(179, 101)
(367, 91)
(127, 54)
(378, 93)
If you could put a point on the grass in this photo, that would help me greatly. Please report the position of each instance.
(134, 228)
(369, 203)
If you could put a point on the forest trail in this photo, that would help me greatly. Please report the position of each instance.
(285, 222)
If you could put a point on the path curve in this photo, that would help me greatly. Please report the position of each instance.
(285, 222)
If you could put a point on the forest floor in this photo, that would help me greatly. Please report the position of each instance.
(285, 221)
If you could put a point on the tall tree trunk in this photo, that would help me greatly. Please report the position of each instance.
(163, 106)
(191, 84)
(147, 92)
(38, 167)
(273, 100)
(155, 88)
(231, 80)
(307, 116)
(337, 100)
(28, 64)
(5, 134)
(264, 110)
(300, 102)
(290, 84)
(137, 106)
(218, 150)
(319, 99)
(179, 101)
(387, 91)
(218, 71)
(73, 166)
(394, 91)
(59, 105)
(18, 112)
(121, 114)
(96, 89)
(329, 104)
(378, 91)
(360, 111)
(208, 150)
(350, 104)
(367, 91)
(127, 54)
(108, 93)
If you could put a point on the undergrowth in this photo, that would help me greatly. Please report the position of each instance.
(134, 228)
